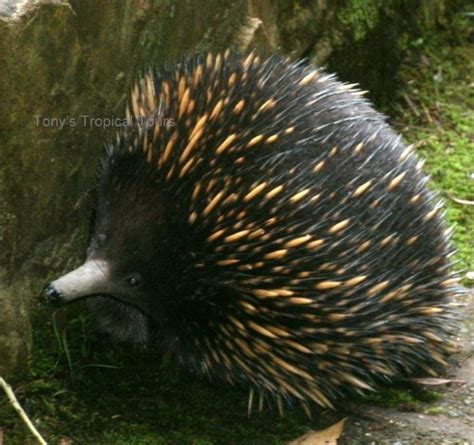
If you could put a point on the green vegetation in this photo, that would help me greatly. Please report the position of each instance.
(435, 112)
(82, 388)
(359, 17)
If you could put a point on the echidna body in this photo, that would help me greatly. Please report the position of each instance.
(274, 233)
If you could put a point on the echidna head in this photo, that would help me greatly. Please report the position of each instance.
(129, 261)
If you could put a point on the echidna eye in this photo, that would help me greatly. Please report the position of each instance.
(134, 279)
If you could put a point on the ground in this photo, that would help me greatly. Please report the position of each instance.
(83, 389)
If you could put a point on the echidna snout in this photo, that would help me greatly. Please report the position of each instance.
(275, 231)
(92, 278)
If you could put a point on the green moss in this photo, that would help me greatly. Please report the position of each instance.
(407, 398)
(434, 410)
(440, 121)
(394, 397)
(358, 18)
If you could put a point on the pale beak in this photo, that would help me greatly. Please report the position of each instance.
(92, 278)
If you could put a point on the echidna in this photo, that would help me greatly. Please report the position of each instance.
(263, 222)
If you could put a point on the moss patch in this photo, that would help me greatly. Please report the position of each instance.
(435, 112)
(358, 17)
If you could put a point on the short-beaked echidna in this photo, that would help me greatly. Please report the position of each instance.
(263, 222)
